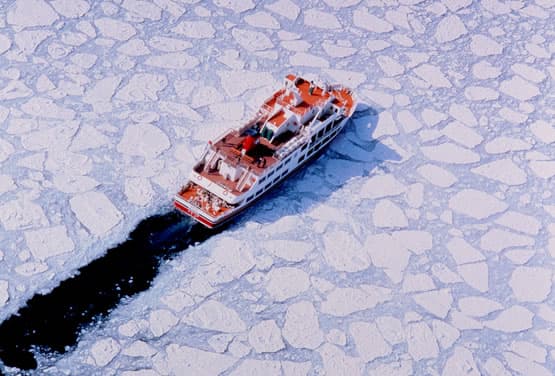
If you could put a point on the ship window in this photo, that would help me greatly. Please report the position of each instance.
(267, 133)
(276, 180)
(267, 186)
(313, 138)
(279, 167)
(285, 172)
(304, 147)
(328, 127)
(287, 160)
(320, 133)
(302, 158)
(250, 198)
(271, 173)
(262, 180)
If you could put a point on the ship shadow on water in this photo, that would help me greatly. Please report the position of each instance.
(355, 143)
(51, 323)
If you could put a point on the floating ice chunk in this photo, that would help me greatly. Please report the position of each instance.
(301, 328)
(48, 242)
(344, 252)
(432, 75)
(520, 222)
(475, 275)
(417, 282)
(173, 60)
(88, 137)
(476, 204)
(4, 292)
(377, 45)
(379, 186)
(480, 93)
(462, 252)
(340, 51)
(543, 169)
(265, 337)
(46, 108)
(386, 125)
(238, 6)
(519, 88)
(195, 29)
(437, 175)
(365, 20)
(512, 320)
(449, 29)
(478, 306)
(483, 70)
(369, 342)
(462, 135)
(144, 9)
(5, 43)
(386, 252)
(6, 149)
(144, 140)
(450, 153)
(197, 362)
(528, 72)
(482, 45)
(463, 114)
(344, 301)
(21, 213)
(285, 283)
(6, 184)
(71, 8)
(525, 366)
(213, 315)
(421, 341)
(132, 327)
(543, 131)
(396, 368)
(115, 29)
(290, 250)
(134, 47)
(285, 8)
(104, 350)
(139, 349)
(512, 116)
(142, 87)
(236, 83)
(529, 351)
(337, 363)
(391, 328)
(14, 90)
(29, 269)
(408, 121)
(100, 95)
(461, 363)
(444, 274)
(166, 44)
(251, 40)
(262, 20)
(308, 60)
(249, 367)
(503, 170)
(161, 321)
(349, 78)
(502, 144)
(95, 211)
(492, 365)
(496, 240)
(390, 66)
(387, 214)
(206, 95)
(437, 302)
(445, 334)
(29, 13)
(416, 241)
(320, 19)
(531, 284)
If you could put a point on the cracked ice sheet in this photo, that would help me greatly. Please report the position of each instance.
(431, 242)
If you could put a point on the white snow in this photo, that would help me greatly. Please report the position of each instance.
(450, 153)
(30, 13)
(477, 306)
(476, 204)
(301, 328)
(161, 321)
(421, 341)
(449, 29)
(514, 319)
(437, 302)
(115, 29)
(265, 337)
(369, 342)
(285, 283)
(519, 88)
(214, 315)
(461, 363)
(531, 284)
(433, 75)
(104, 350)
(482, 45)
(496, 240)
(344, 252)
(503, 170)
(346, 300)
(48, 242)
(95, 211)
(387, 214)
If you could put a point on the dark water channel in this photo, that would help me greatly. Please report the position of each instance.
(51, 323)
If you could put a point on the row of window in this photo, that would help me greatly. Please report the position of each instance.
(268, 185)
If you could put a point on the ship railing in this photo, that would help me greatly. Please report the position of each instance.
(291, 145)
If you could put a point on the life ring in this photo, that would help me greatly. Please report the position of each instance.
(225, 193)
(199, 177)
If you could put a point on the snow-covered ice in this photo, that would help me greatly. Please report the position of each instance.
(421, 242)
